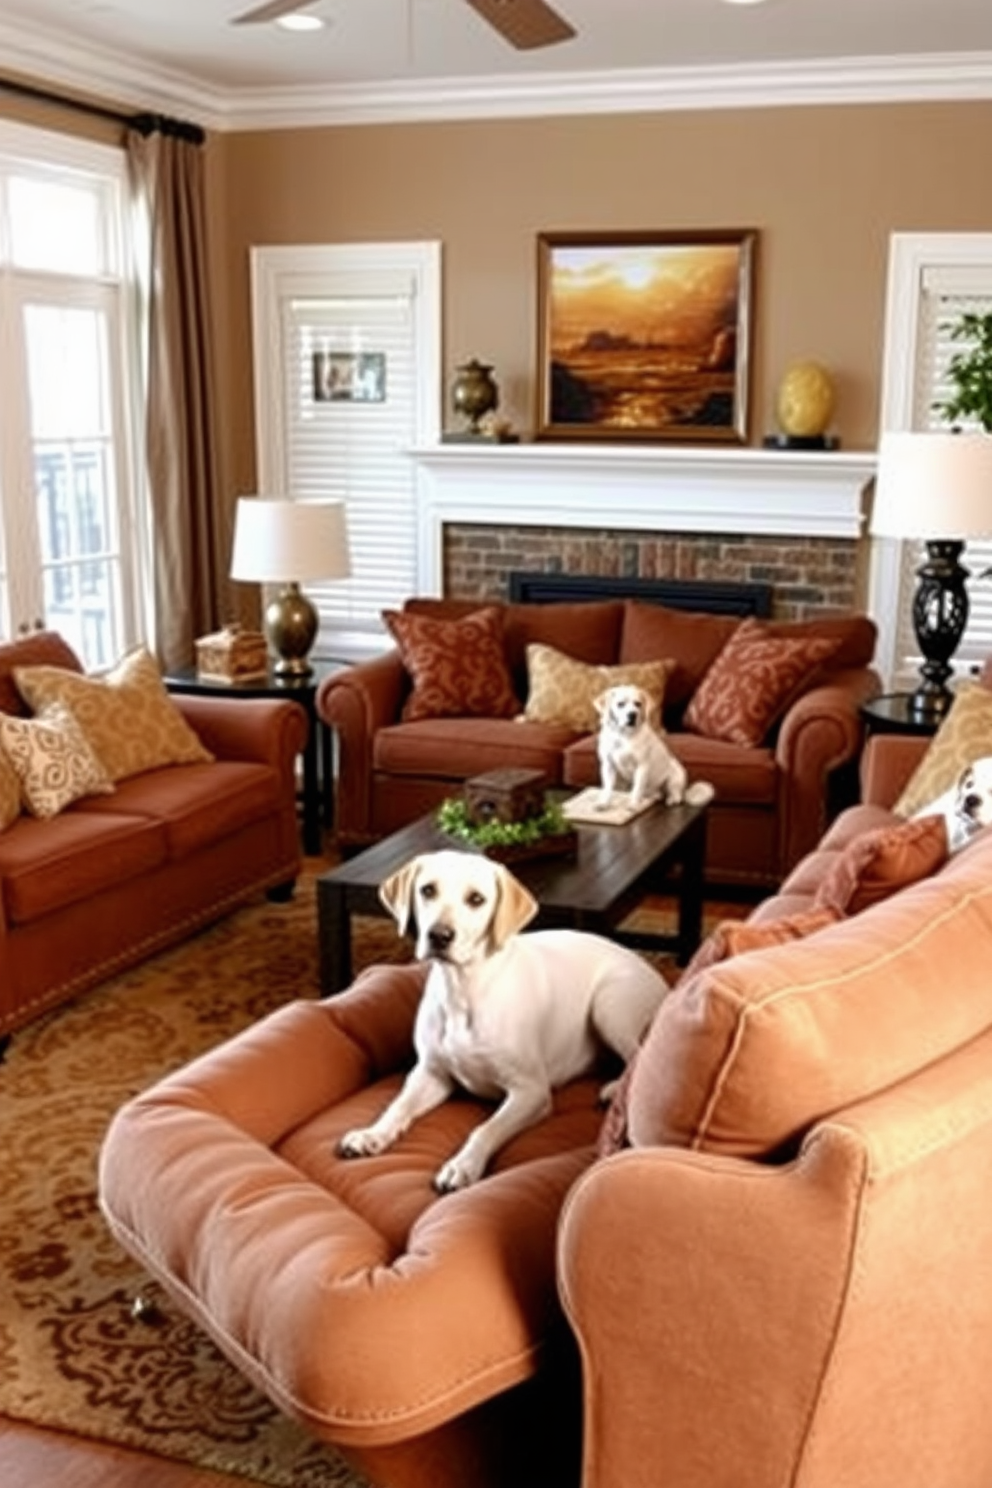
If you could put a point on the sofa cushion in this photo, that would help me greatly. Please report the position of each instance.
(127, 715)
(42, 648)
(52, 760)
(77, 855)
(196, 804)
(880, 863)
(692, 641)
(752, 682)
(10, 793)
(456, 748)
(744, 776)
(964, 736)
(457, 667)
(743, 1058)
(562, 690)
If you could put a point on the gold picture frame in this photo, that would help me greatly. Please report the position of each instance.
(645, 335)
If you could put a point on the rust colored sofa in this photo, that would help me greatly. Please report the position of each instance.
(114, 877)
(773, 800)
(783, 1280)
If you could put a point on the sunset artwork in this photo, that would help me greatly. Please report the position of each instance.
(645, 338)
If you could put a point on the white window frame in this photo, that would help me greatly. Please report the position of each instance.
(48, 155)
(962, 262)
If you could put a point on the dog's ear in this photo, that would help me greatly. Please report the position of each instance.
(602, 703)
(396, 893)
(515, 906)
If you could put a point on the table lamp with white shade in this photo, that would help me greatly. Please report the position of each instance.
(278, 541)
(935, 487)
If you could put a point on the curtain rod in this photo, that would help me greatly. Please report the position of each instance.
(144, 123)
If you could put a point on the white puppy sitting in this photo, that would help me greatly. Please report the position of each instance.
(510, 1017)
(633, 754)
(967, 806)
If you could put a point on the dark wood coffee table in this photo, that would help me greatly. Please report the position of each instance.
(595, 889)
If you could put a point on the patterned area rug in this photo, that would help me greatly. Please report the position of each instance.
(71, 1355)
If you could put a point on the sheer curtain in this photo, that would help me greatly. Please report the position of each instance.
(189, 569)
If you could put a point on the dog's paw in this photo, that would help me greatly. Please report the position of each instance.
(458, 1172)
(364, 1141)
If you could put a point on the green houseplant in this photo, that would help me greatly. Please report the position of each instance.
(970, 371)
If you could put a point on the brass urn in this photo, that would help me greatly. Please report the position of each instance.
(474, 392)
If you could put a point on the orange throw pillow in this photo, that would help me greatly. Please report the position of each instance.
(878, 863)
(458, 667)
(729, 938)
(752, 682)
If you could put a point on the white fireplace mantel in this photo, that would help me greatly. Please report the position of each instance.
(781, 493)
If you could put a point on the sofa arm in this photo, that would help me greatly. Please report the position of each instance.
(269, 731)
(705, 1294)
(356, 702)
(820, 733)
(887, 763)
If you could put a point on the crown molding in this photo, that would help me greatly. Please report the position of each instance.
(98, 72)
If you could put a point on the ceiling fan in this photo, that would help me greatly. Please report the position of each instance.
(523, 23)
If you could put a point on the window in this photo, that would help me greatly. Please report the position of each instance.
(933, 279)
(68, 551)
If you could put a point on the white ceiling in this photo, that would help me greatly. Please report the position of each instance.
(395, 58)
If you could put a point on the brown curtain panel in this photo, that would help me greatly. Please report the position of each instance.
(166, 165)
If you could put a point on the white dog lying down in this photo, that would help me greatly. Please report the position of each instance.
(633, 753)
(967, 806)
(507, 1016)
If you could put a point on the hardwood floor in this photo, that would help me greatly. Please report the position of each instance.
(31, 1458)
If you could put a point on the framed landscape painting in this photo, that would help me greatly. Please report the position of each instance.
(644, 335)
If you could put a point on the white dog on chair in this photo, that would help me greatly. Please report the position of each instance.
(967, 806)
(634, 756)
(508, 1016)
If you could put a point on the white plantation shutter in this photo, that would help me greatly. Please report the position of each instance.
(355, 451)
(944, 289)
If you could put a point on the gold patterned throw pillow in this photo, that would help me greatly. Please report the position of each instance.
(10, 793)
(964, 736)
(563, 691)
(52, 760)
(130, 721)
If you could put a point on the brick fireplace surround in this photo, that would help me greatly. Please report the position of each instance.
(792, 520)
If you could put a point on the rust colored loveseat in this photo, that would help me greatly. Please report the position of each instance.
(774, 797)
(116, 876)
(783, 1280)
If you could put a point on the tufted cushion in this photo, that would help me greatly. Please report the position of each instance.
(752, 682)
(52, 760)
(729, 938)
(10, 793)
(563, 691)
(879, 863)
(964, 735)
(129, 719)
(457, 667)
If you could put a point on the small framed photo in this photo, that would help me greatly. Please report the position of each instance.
(645, 335)
(349, 376)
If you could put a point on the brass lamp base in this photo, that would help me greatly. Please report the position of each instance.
(291, 624)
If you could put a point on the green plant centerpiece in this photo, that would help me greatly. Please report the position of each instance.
(538, 835)
(970, 372)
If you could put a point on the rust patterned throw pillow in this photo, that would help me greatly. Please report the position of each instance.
(728, 938)
(879, 863)
(752, 682)
(458, 667)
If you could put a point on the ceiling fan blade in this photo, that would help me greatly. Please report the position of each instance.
(524, 23)
(270, 11)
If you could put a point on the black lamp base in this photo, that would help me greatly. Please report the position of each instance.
(940, 614)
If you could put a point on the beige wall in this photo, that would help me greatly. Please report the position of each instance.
(823, 186)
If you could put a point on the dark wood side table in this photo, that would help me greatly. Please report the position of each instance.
(316, 756)
(890, 714)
